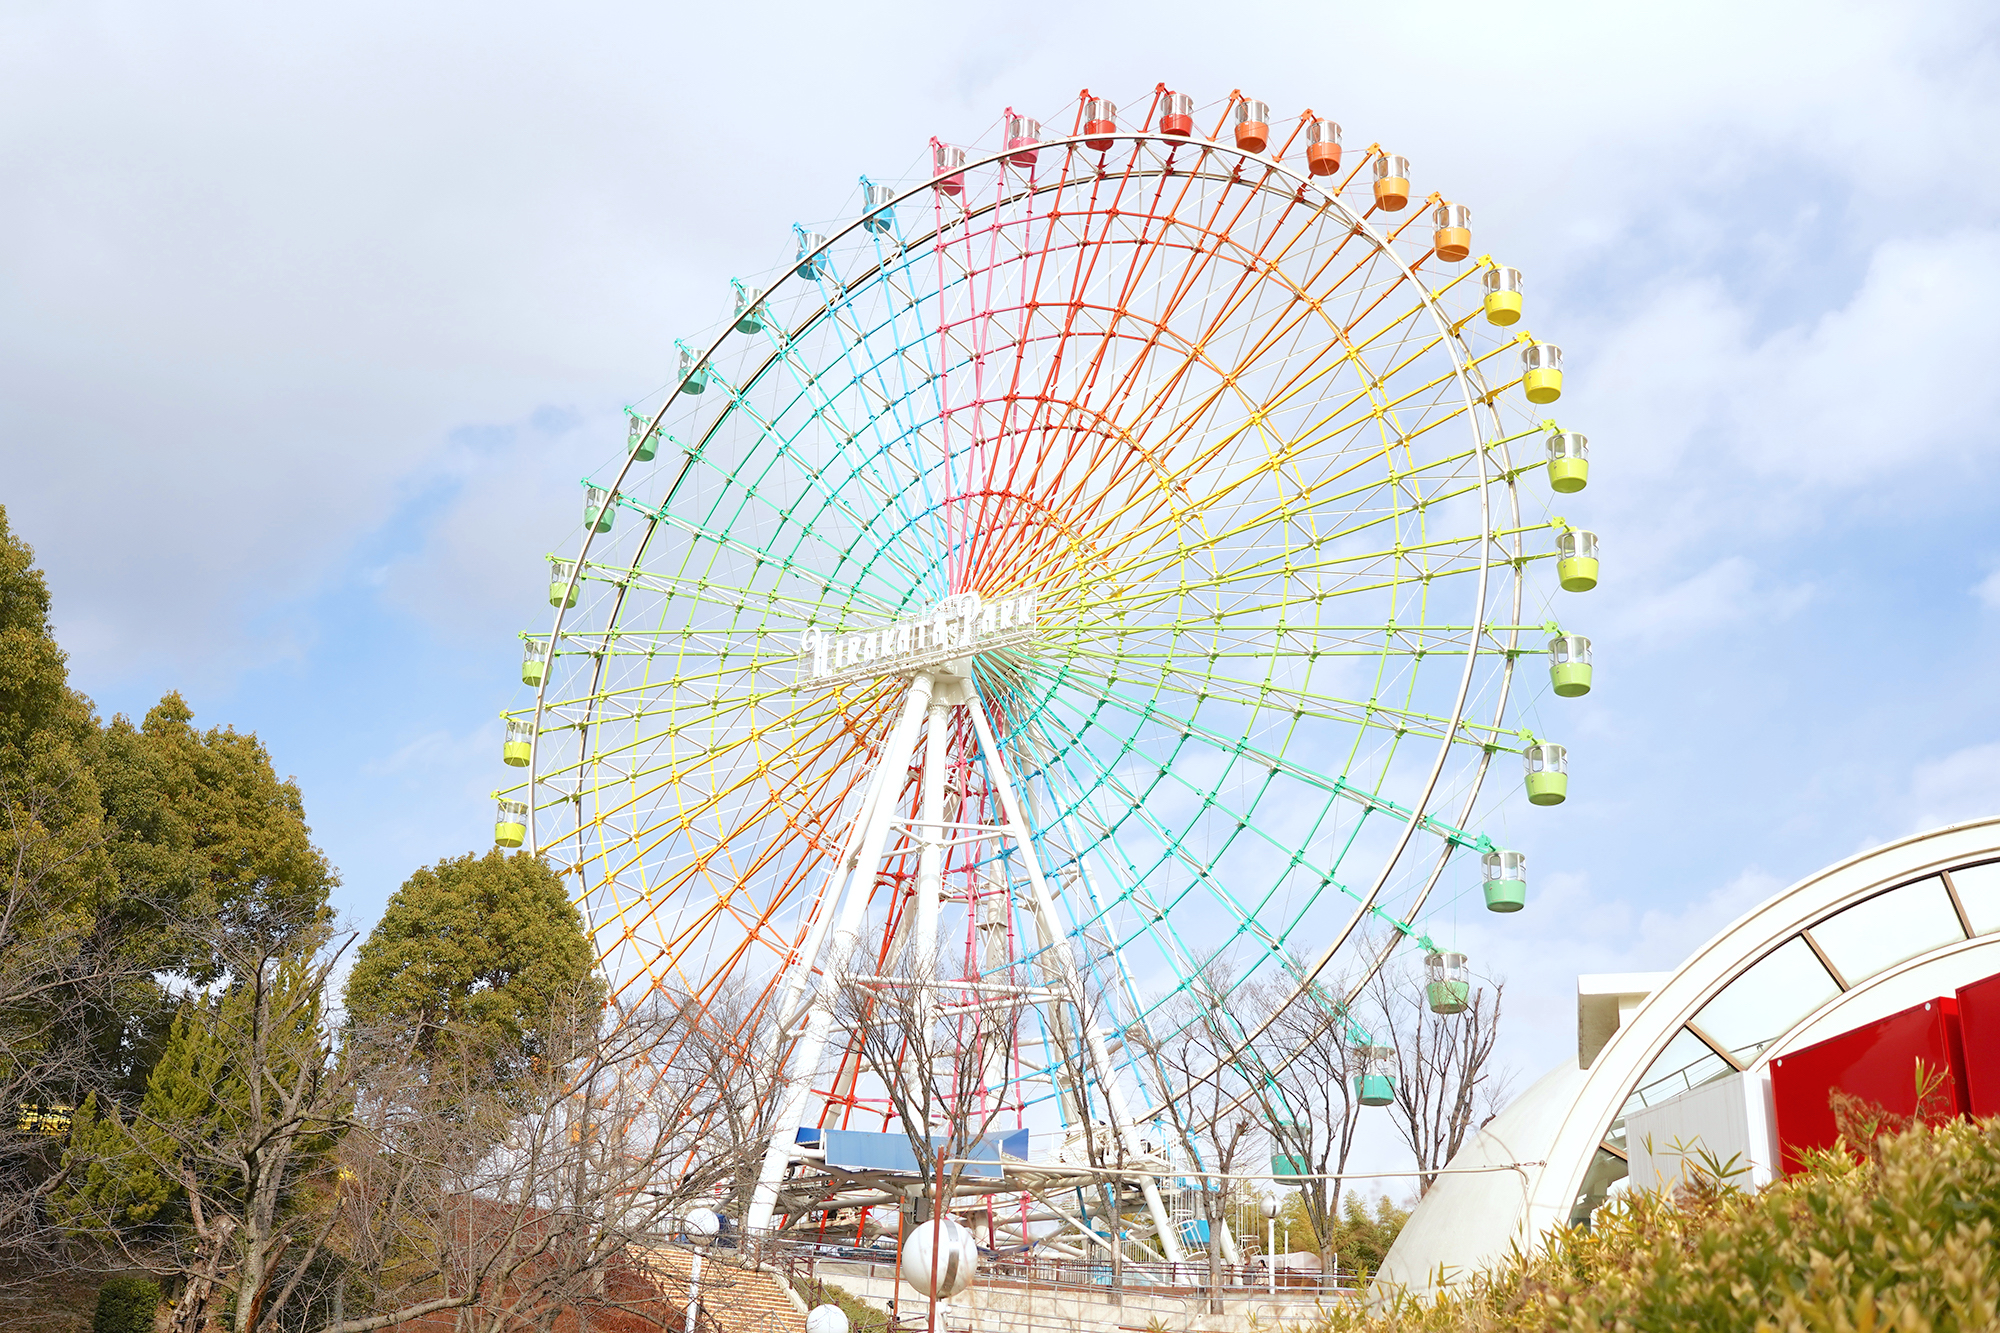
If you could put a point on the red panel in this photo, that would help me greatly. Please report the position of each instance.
(1876, 1061)
(1979, 1024)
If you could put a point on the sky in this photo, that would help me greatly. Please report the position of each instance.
(311, 317)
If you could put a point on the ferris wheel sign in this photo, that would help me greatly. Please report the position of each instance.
(956, 628)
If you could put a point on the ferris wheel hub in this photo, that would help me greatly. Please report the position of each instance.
(944, 638)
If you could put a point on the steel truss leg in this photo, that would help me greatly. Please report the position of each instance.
(851, 884)
(1015, 815)
(858, 872)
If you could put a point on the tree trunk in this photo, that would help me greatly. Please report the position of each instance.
(190, 1313)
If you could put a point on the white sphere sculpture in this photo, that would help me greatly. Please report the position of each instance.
(701, 1223)
(956, 1256)
(826, 1319)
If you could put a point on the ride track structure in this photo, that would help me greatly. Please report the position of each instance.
(1099, 567)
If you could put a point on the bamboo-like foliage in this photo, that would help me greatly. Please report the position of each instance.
(1901, 1237)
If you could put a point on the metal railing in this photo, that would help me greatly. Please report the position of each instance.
(802, 1260)
(1188, 1276)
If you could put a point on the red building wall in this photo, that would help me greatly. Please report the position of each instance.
(1877, 1062)
(1979, 1026)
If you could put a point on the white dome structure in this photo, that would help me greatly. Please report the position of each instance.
(1658, 1052)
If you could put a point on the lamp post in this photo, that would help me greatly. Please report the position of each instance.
(701, 1226)
(1271, 1243)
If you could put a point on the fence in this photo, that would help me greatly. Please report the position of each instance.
(802, 1260)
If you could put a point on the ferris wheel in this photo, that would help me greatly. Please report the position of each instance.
(1115, 546)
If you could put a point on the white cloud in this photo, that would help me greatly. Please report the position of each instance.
(264, 262)
(423, 757)
(478, 572)
(1987, 590)
(1575, 925)
(1964, 784)
(1896, 378)
(1727, 593)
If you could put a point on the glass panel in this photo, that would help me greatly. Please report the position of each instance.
(1979, 889)
(1760, 1006)
(1888, 928)
(1686, 1063)
(1606, 1170)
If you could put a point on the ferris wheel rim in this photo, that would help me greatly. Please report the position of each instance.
(640, 744)
(1464, 367)
(1466, 371)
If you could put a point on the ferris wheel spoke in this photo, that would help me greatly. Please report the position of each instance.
(1379, 571)
(1294, 702)
(892, 490)
(701, 590)
(722, 540)
(1239, 636)
(1270, 939)
(1173, 850)
(1251, 920)
(716, 771)
(818, 476)
(1300, 506)
(1152, 713)
(697, 701)
(803, 844)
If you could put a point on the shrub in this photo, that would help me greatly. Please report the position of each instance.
(1903, 1238)
(126, 1305)
(861, 1316)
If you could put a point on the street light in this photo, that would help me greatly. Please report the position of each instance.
(701, 1225)
(1271, 1243)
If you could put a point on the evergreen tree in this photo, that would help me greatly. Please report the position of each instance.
(486, 949)
(58, 876)
(56, 883)
(203, 829)
(111, 1180)
(37, 706)
(126, 1305)
(222, 1178)
(132, 855)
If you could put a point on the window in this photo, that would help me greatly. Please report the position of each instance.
(1888, 928)
(1979, 889)
(1686, 1063)
(1761, 1005)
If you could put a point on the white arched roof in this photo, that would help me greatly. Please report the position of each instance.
(1863, 938)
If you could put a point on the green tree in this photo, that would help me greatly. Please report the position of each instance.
(1363, 1238)
(36, 703)
(111, 1179)
(56, 881)
(110, 835)
(205, 843)
(479, 952)
(220, 1181)
(51, 812)
(204, 829)
(135, 859)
